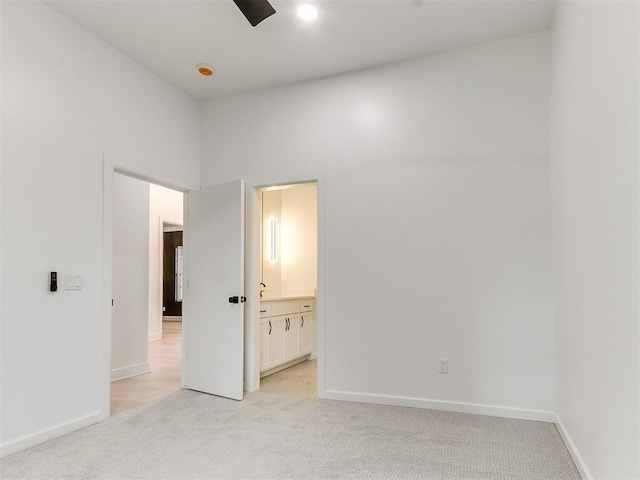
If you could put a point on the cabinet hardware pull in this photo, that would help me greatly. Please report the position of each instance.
(269, 327)
(263, 311)
(302, 317)
(307, 306)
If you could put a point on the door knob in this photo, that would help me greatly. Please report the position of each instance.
(237, 299)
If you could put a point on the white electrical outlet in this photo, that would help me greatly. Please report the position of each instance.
(443, 365)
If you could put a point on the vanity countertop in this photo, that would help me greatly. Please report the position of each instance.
(278, 299)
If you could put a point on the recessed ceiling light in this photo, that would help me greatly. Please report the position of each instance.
(205, 70)
(307, 12)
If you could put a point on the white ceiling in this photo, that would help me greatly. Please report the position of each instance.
(170, 37)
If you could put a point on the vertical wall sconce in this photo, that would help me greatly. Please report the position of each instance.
(273, 239)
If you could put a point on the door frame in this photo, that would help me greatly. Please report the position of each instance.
(159, 284)
(252, 276)
(109, 170)
(178, 228)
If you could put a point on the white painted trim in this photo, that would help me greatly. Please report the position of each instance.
(130, 371)
(153, 338)
(38, 437)
(638, 264)
(1, 236)
(583, 470)
(159, 280)
(149, 179)
(284, 366)
(107, 288)
(185, 291)
(321, 291)
(252, 289)
(444, 405)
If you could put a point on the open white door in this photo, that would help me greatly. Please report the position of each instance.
(214, 270)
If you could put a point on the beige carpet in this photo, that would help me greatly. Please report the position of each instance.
(189, 435)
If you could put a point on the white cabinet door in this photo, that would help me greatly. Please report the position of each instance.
(277, 341)
(292, 329)
(306, 332)
(265, 345)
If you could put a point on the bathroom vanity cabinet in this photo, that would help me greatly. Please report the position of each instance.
(286, 333)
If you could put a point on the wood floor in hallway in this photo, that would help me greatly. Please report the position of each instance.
(165, 356)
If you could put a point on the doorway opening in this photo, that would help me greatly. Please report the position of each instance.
(288, 255)
(146, 344)
(172, 272)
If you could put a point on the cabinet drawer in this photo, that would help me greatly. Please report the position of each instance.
(265, 310)
(284, 308)
(306, 306)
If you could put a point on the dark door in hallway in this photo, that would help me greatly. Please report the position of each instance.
(171, 296)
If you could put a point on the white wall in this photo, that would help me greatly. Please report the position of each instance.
(437, 219)
(595, 140)
(165, 206)
(68, 99)
(299, 239)
(1, 183)
(130, 314)
(271, 269)
(294, 271)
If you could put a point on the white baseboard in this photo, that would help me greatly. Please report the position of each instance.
(448, 406)
(573, 450)
(130, 371)
(284, 366)
(36, 438)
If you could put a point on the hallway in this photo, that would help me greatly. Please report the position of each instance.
(164, 379)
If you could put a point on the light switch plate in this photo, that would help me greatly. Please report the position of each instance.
(73, 282)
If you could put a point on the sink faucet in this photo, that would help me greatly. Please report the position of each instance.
(262, 291)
